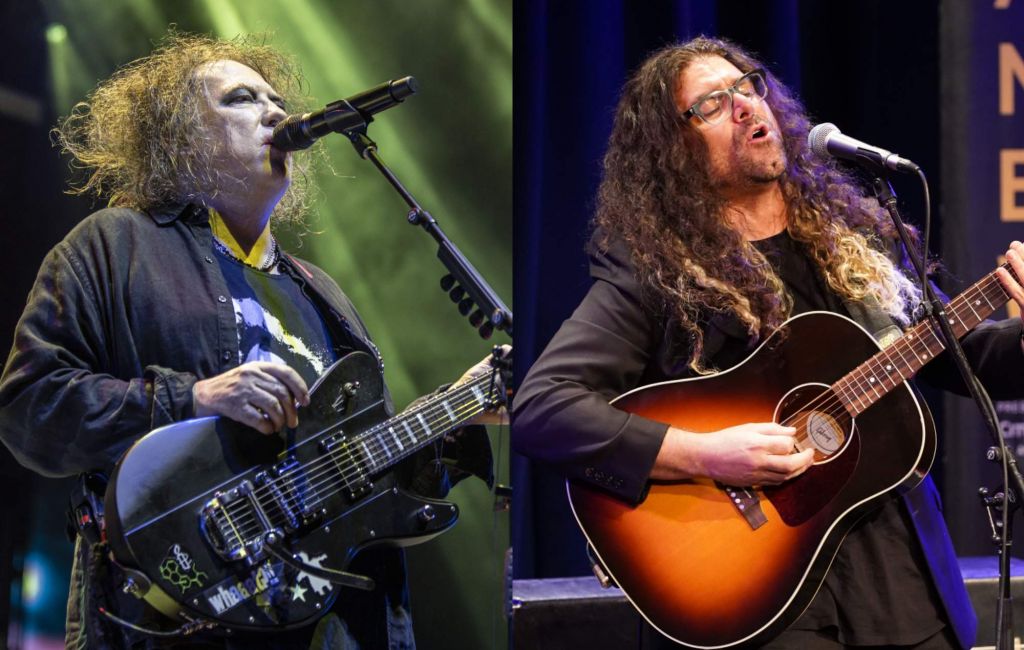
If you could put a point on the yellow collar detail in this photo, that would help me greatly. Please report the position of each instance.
(261, 250)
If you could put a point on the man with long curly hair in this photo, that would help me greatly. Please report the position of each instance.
(176, 302)
(715, 223)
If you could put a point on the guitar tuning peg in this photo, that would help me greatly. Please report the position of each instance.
(476, 318)
(465, 306)
(486, 330)
(447, 282)
(456, 294)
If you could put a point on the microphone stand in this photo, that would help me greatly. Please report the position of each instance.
(464, 284)
(1005, 501)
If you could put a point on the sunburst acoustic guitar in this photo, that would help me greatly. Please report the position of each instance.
(715, 566)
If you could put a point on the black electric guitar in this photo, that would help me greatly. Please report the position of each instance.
(715, 566)
(217, 524)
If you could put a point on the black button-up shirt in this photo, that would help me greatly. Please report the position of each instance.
(125, 316)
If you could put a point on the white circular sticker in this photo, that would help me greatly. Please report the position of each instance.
(824, 432)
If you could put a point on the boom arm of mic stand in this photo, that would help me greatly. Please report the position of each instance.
(465, 285)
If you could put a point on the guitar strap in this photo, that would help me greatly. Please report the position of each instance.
(870, 315)
(85, 508)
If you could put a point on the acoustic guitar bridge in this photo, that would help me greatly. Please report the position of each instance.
(747, 503)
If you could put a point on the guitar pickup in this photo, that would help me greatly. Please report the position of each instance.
(747, 503)
(350, 463)
(288, 486)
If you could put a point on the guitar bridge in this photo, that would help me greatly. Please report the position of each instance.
(233, 523)
(747, 503)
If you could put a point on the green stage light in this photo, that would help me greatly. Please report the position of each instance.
(56, 34)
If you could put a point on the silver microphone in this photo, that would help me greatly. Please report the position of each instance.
(827, 140)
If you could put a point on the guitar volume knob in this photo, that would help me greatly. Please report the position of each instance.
(426, 514)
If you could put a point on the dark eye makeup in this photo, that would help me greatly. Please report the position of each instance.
(246, 94)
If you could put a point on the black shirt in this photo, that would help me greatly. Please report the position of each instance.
(876, 590)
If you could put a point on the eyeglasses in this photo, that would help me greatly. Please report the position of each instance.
(716, 105)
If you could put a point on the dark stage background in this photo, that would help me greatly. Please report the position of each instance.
(918, 78)
(450, 144)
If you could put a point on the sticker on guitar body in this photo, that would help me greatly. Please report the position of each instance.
(320, 587)
(179, 569)
(232, 592)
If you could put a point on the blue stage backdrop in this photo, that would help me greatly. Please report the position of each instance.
(982, 113)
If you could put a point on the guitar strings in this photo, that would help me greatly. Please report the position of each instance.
(914, 343)
(279, 513)
(327, 465)
(430, 407)
(430, 410)
(248, 519)
(851, 387)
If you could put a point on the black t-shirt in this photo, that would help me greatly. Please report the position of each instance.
(877, 590)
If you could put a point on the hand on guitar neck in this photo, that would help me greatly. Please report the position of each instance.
(759, 453)
(486, 365)
(1015, 256)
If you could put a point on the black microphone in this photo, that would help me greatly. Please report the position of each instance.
(301, 131)
(826, 140)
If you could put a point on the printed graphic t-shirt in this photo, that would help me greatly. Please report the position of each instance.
(277, 322)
